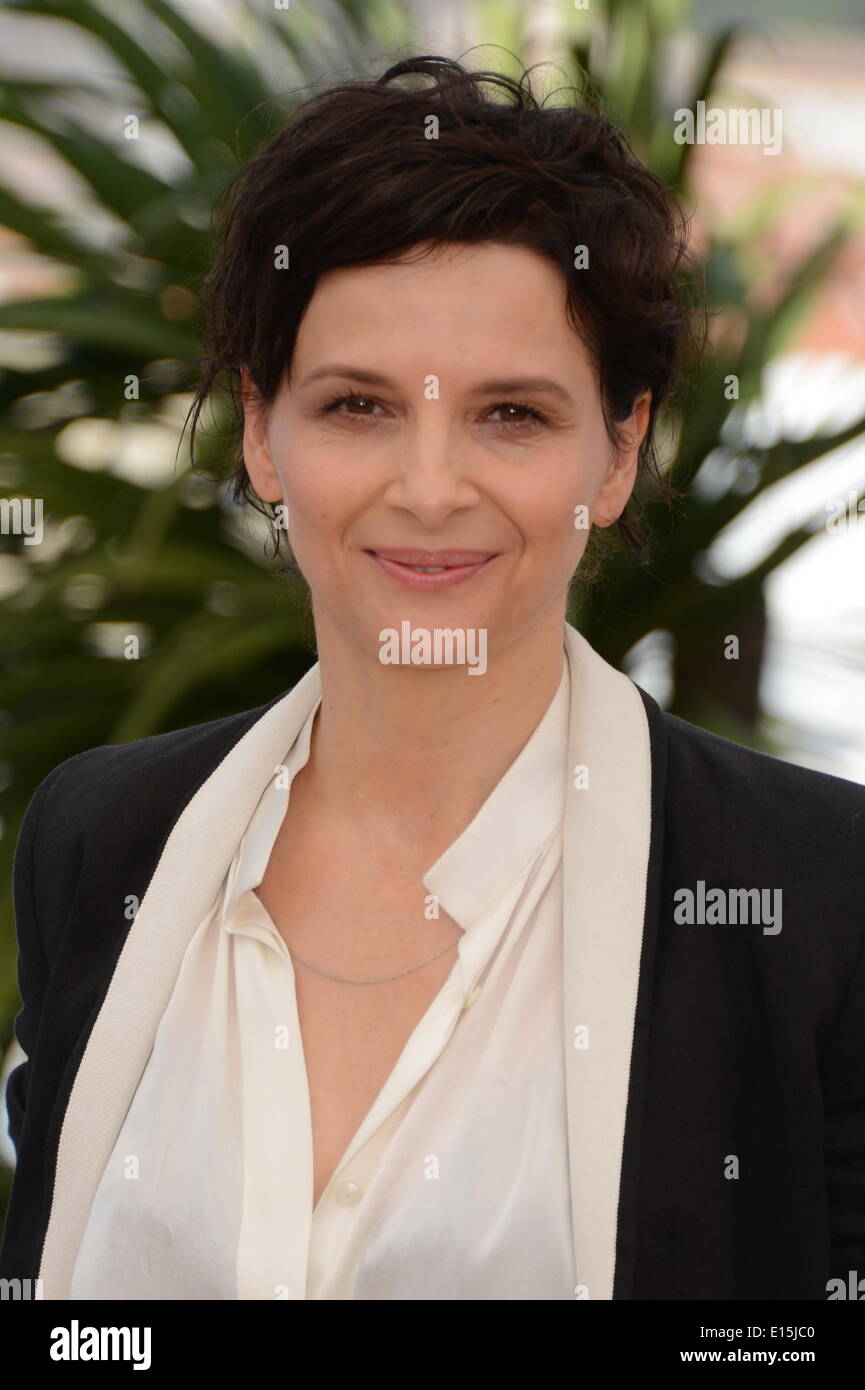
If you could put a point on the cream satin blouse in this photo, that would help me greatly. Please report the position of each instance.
(456, 1184)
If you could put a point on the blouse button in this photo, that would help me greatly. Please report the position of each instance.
(348, 1193)
(471, 999)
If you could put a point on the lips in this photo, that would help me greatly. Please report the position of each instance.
(444, 559)
(430, 570)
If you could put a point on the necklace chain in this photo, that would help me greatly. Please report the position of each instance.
(344, 980)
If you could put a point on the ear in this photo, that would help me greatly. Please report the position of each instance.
(256, 445)
(619, 483)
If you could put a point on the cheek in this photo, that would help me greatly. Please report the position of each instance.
(556, 519)
(547, 512)
(315, 493)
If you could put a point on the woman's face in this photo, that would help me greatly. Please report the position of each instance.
(470, 421)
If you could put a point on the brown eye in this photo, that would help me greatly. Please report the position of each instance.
(332, 406)
(534, 417)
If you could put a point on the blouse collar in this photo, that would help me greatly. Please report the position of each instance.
(514, 824)
(522, 812)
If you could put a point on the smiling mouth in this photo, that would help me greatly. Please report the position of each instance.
(430, 569)
(434, 561)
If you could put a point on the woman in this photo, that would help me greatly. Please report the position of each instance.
(412, 985)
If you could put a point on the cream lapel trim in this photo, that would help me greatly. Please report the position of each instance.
(607, 833)
(207, 833)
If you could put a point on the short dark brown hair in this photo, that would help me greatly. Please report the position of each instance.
(352, 179)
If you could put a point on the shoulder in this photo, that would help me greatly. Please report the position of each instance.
(96, 824)
(757, 767)
(714, 787)
(88, 789)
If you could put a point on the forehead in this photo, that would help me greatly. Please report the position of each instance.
(483, 302)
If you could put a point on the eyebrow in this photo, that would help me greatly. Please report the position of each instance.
(503, 385)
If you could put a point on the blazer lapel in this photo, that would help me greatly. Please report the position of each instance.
(196, 856)
(606, 843)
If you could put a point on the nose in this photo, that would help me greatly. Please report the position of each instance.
(431, 478)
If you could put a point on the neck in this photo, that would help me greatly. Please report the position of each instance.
(409, 754)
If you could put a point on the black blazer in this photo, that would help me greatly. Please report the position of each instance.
(748, 1046)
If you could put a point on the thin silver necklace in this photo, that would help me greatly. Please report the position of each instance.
(343, 980)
